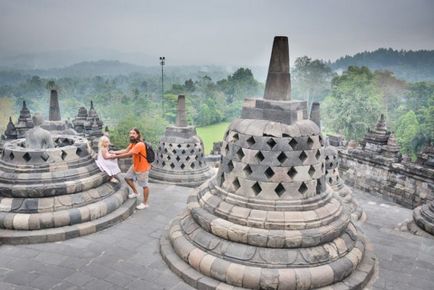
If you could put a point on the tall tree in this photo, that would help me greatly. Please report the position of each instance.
(311, 79)
(7, 107)
(392, 89)
(406, 132)
(354, 104)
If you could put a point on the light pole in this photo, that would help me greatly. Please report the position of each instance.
(162, 62)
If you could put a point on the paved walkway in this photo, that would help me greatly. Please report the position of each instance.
(126, 255)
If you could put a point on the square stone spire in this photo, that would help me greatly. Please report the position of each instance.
(54, 114)
(181, 118)
(278, 85)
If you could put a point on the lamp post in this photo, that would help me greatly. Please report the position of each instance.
(162, 62)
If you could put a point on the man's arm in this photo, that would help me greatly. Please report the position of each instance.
(122, 151)
(121, 155)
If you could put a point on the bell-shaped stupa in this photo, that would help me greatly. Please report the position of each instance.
(337, 184)
(267, 221)
(180, 155)
(51, 189)
(25, 122)
(423, 216)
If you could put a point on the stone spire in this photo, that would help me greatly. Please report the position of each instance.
(376, 138)
(54, 114)
(11, 131)
(277, 105)
(315, 114)
(181, 118)
(24, 113)
(92, 112)
(381, 124)
(278, 85)
(25, 121)
(79, 121)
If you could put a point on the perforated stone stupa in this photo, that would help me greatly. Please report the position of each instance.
(423, 216)
(55, 193)
(337, 184)
(180, 154)
(267, 221)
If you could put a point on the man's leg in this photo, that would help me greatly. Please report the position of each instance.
(130, 182)
(129, 179)
(142, 180)
(145, 194)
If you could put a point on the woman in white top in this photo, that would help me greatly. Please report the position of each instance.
(110, 166)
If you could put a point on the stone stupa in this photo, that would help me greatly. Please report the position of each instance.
(423, 216)
(180, 155)
(88, 124)
(267, 221)
(334, 180)
(379, 141)
(51, 189)
(25, 121)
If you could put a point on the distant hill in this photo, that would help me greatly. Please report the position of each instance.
(114, 68)
(93, 68)
(408, 65)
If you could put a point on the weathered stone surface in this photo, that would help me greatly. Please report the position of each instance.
(267, 220)
(180, 154)
(334, 180)
(54, 112)
(278, 85)
(56, 193)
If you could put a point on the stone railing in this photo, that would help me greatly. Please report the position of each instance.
(407, 184)
(68, 149)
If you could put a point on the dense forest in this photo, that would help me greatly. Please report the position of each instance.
(407, 65)
(351, 99)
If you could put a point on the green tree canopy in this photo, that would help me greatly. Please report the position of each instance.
(311, 80)
(406, 131)
(354, 104)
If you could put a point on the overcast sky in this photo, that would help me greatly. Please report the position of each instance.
(228, 32)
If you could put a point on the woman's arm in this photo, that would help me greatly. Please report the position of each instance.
(105, 154)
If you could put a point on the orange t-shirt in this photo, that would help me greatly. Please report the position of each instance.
(140, 163)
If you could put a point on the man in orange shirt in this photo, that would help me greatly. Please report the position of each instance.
(139, 171)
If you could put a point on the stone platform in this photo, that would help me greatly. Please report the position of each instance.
(126, 256)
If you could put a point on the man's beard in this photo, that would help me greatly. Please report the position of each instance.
(133, 140)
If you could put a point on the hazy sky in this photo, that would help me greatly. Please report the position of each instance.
(215, 32)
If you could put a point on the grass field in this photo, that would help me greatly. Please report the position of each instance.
(211, 134)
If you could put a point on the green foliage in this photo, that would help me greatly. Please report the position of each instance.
(211, 134)
(407, 65)
(406, 131)
(392, 90)
(420, 95)
(311, 80)
(354, 104)
(7, 110)
(150, 125)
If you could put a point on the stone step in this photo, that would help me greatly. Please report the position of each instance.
(45, 188)
(57, 203)
(68, 232)
(358, 279)
(36, 221)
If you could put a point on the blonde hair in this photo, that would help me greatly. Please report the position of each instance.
(101, 140)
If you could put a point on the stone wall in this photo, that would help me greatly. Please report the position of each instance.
(407, 184)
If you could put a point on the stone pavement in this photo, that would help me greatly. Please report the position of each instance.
(126, 256)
